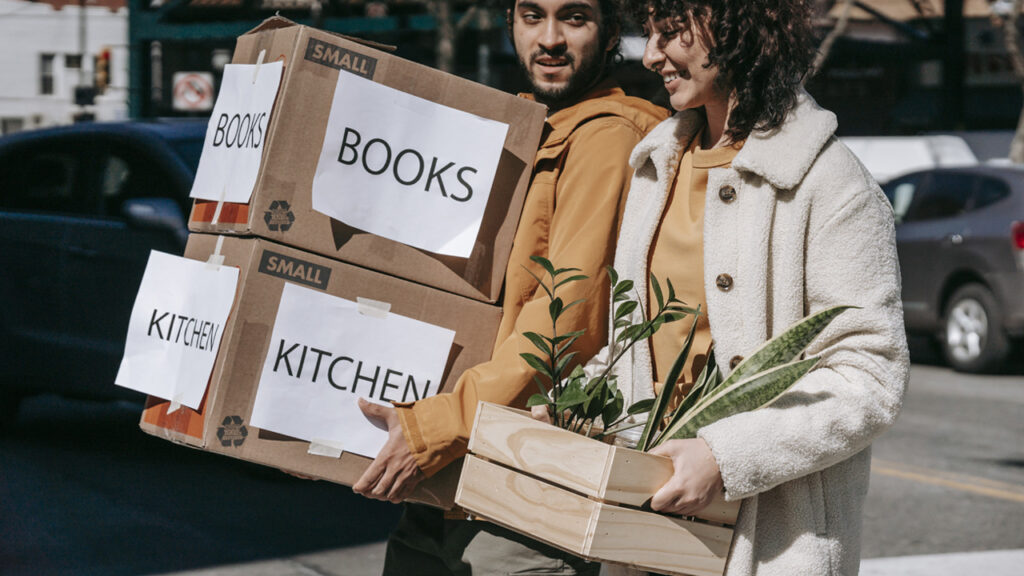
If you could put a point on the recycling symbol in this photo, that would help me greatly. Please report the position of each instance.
(279, 217)
(232, 432)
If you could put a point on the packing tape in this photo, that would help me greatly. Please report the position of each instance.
(325, 447)
(216, 260)
(220, 204)
(373, 308)
(175, 403)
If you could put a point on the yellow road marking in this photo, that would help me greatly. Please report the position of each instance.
(961, 482)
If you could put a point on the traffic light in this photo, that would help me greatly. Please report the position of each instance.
(102, 75)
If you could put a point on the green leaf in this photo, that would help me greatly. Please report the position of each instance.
(613, 276)
(555, 308)
(539, 341)
(570, 279)
(572, 396)
(538, 400)
(537, 364)
(664, 396)
(786, 346)
(656, 287)
(625, 309)
(671, 291)
(623, 287)
(561, 349)
(544, 263)
(693, 397)
(622, 323)
(564, 361)
(640, 406)
(540, 282)
(749, 394)
(540, 385)
(571, 304)
(561, 271)
(613, 408)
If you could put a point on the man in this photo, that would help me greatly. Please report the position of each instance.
(570, 217)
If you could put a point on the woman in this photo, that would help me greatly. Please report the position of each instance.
(748, 183)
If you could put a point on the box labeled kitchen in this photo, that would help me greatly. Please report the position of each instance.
(373, 160)
(586, 497)
(307, 336)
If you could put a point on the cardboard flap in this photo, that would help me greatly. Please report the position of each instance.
(278, 22)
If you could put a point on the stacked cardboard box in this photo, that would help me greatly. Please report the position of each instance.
(280, 224)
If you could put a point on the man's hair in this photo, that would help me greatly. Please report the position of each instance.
(611, 24)
(762, 48)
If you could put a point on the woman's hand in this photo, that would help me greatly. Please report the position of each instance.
(541, 413)
(696, 479)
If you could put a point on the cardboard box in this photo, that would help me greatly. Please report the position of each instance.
(222, 423)
(281, 204)
(586, 496)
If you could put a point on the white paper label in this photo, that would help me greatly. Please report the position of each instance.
(324, 354)
(176, 328)
(406, 168)
(236, 133)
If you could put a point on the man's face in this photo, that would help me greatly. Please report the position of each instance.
(559, 47)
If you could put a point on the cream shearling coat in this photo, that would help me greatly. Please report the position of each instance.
(808, 228)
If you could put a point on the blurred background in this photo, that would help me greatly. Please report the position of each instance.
(103, 109)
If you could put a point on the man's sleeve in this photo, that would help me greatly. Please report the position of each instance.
(589, 199)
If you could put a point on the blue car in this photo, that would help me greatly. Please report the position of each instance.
(80, 209)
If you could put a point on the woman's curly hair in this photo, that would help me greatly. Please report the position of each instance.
(762, 48)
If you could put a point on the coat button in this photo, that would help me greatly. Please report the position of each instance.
(735, 361)
(724, 282)
(727, 193)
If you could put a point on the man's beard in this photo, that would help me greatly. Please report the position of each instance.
(583, 78)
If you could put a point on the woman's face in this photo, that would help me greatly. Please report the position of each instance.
(677, 52)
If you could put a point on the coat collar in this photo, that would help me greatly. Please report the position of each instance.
(781, 156)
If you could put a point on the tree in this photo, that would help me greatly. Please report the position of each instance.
(448, 29)
(837, 30)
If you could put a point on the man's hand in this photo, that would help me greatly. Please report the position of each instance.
(695, 481)
(394, 474)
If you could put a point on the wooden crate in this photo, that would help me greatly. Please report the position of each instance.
(585, 496)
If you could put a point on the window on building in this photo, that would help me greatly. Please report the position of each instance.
(73, 61)
(46, 73)
(11, 125)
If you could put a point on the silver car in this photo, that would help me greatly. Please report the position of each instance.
(960, 237)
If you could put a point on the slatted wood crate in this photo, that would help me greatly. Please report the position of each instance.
(585, 496)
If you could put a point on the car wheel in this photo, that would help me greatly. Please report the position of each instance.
(972, 339)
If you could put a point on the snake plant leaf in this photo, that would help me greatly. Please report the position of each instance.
(661, 402)
(786, 346)
(538, 400)
(752, 393)
(699, 390)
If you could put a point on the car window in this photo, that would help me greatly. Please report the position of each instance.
(42, 180)
(125, 175)
(990, 191)
(945, 196)
(900, 193)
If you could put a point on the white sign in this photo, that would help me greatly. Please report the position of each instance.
(236, 132)
(406, 168)
(176, 328)
(325, 352)
(193, 91)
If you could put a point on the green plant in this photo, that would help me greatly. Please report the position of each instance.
(575, 402)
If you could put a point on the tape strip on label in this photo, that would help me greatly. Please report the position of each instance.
(216, 260)
(325, 447)
(373, 308)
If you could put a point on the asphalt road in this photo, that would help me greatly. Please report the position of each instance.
(83, 491)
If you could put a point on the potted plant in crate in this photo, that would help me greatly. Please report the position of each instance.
(561, 484)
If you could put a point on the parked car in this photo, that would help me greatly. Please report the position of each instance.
(960, 237)
(80, 209)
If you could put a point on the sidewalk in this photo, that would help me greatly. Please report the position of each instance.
(367, 561)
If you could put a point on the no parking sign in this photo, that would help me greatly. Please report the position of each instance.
(193, 91)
